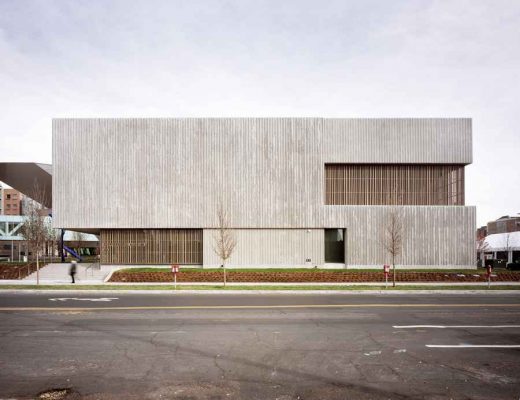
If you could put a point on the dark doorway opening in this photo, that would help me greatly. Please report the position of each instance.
(335, 246)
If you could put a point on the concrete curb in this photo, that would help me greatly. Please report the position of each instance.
(264, 292)
(219, 283)
(107, 278)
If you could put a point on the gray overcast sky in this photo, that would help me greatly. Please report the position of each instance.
(269, 58)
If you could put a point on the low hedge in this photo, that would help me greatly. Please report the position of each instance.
(306, 276)
(17, 270)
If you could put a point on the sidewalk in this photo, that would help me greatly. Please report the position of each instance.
(218, 283)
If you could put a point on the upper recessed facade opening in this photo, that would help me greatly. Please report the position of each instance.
(394, 184)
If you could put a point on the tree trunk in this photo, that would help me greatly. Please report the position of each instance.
(37, 269)
(393, 270)
(224, 266)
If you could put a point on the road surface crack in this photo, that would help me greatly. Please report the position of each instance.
(222, 370)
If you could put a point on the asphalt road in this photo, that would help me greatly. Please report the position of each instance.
(122, 346)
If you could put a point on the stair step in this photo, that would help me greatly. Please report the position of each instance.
(60, 272)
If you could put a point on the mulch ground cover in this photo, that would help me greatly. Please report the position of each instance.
(311, 276)
(17, 271)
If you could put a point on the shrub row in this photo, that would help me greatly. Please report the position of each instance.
(17, 271)
(311, 276)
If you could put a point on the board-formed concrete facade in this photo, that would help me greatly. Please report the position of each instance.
(269, 173)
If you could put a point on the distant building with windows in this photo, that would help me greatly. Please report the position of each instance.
(505, 224)
(12, 201)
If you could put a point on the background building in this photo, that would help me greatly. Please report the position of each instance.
(12, 201)
(499, 241)
(504, 224)
(299, 191)
(12, 244)
(31, 178)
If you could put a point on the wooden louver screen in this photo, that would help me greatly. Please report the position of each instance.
(151, 246)
(394, 184)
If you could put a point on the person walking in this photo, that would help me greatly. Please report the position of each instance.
(73, 270)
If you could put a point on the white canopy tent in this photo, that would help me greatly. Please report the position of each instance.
(502, 242)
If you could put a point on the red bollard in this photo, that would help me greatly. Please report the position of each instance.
(489, 269)
(175, 269)
(386, 270)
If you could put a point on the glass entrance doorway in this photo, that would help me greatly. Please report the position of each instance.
(335, 246)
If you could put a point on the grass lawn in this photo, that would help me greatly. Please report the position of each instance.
(257, 287)
(168, 269)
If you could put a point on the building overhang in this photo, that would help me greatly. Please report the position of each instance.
(29, 178)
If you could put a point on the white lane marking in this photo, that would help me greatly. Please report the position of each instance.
(478, 346)
(373, 353)
(84, 299)
(399, 351)
(454, 326)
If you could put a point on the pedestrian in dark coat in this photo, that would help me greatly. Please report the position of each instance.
(73, 270)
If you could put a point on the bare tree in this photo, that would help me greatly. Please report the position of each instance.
(393, 237)
(52, 238)
(224, 238)
(35, 230)
(78, 237)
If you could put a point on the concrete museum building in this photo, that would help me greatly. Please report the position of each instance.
(298, 191)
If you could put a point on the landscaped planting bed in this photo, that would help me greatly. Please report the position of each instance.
(308, 276)
(17, 270)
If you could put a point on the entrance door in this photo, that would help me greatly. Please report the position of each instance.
(335, 246)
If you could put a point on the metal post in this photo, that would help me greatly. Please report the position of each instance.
(62, 253)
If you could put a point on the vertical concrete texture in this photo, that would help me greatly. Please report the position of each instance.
(268, 172)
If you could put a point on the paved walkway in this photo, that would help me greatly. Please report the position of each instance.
(58, 273)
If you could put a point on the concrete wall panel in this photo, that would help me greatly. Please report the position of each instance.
(270, 248)
(144, 173)
(398, 140)
(432, 235)
(269, 172)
